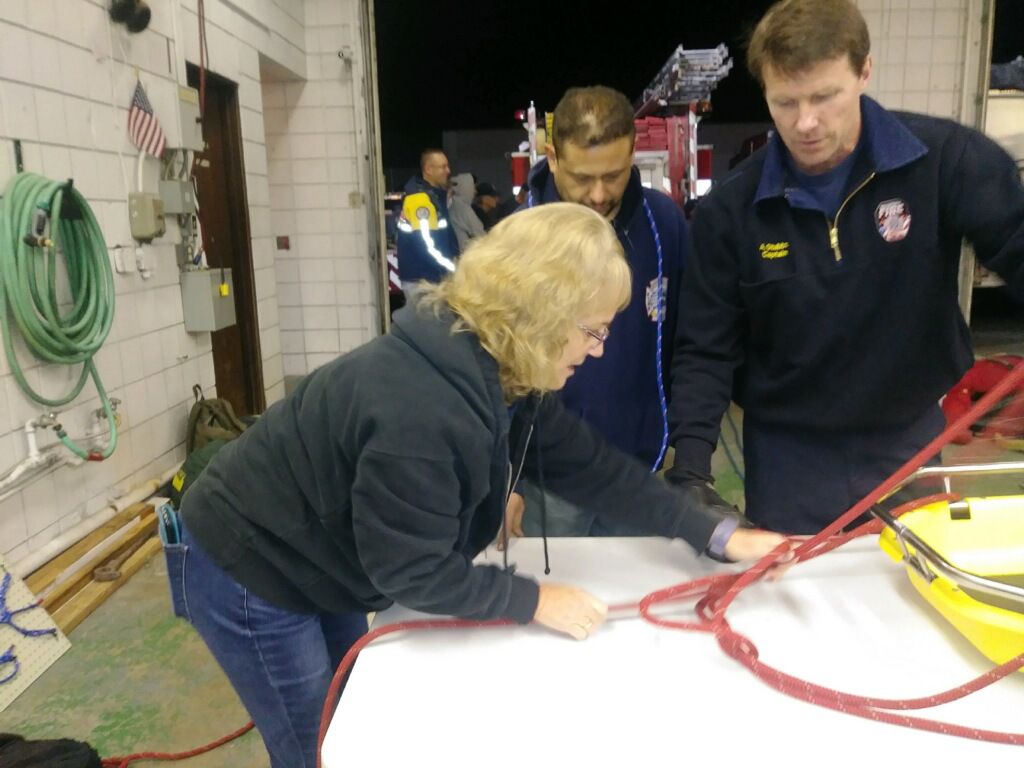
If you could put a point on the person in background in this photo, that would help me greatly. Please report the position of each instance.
(384, 474)
(427, 245)
(822, 294)
(460, 206)
(510, 205)
(486, 203)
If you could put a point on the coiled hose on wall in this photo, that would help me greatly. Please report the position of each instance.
(40, 220)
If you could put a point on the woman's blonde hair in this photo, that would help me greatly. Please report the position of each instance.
(524, 286)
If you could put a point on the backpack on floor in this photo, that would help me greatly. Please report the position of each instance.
(210, 420)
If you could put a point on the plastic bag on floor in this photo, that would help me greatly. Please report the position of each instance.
(16, 752)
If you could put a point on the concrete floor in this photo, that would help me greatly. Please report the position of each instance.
(138, 679)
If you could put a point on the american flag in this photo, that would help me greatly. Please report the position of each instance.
(143, 127)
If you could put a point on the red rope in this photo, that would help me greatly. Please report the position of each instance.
(716, 593)
(123, 762)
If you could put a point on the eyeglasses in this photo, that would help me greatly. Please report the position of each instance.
(599, 336)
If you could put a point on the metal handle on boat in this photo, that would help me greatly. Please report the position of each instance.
(927, 562)
(962, 470)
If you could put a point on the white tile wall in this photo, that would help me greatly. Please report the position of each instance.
(321, 293)
(66, 78)
(919, 53)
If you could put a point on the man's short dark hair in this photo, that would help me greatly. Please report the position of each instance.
(592, 116)
(425, 155)
(797, 34)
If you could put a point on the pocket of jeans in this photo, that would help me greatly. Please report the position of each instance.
(176, 555)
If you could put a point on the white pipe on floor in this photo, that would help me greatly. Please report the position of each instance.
(141, 492)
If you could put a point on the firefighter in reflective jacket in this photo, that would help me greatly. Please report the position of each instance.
(426, 244)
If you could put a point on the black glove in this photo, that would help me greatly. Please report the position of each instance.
(702, 495)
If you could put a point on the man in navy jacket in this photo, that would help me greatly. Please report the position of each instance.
(623, 393)
(427, 246)
(822, 293)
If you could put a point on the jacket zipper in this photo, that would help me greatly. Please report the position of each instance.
(833, 225)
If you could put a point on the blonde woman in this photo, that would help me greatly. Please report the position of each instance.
(388, 470)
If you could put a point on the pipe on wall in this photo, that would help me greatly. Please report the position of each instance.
(141, 492)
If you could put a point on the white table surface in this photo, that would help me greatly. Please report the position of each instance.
(636, 694)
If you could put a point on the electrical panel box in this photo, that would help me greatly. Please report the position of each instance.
(207, 299)
(191, 123)
(179, 197)
(146, 216)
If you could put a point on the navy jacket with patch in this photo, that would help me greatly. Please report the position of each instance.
(860, 334)
(618, 393)
(415, 261)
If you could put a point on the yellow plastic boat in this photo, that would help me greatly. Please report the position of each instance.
(967, 559)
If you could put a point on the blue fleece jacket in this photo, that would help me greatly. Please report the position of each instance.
(618, 393)
(843, 324)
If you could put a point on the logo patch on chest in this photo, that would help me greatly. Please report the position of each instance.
(656, 308)
(892, 217)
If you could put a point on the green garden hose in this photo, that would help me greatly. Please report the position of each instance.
(39, 220)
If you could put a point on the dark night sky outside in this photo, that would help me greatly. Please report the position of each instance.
(462, 64)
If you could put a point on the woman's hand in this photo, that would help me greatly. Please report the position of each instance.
(569, 610)
(754, 543)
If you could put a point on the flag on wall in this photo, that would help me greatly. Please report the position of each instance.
(143, 127)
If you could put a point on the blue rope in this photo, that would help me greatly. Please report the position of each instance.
(7, 615)
(9, 658)
(658, 352)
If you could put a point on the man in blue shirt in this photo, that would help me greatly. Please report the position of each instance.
(822, 292)
(622, 393)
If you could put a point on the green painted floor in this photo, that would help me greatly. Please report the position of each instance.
(137, 679)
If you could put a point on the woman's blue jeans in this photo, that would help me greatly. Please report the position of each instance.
(280, 663)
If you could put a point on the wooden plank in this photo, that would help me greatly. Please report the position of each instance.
(45, 575)
(75, 611)
(61, 592)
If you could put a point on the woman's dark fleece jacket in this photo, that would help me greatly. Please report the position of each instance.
(387, 471)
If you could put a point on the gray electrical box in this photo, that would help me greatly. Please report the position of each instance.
(207, 299)
(191, 125)
(146, 216)
(179, 197)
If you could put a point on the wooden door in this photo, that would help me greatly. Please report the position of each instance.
(224, 216)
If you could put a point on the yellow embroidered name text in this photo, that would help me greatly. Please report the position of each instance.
(774, 250)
